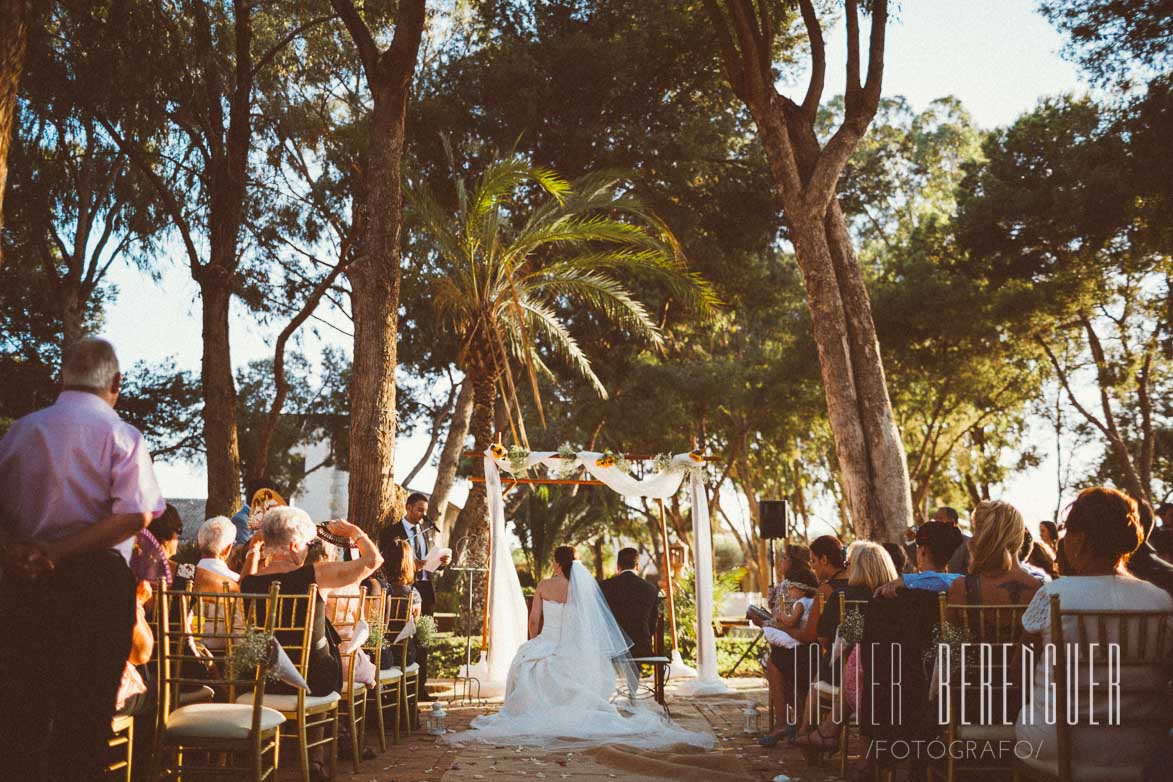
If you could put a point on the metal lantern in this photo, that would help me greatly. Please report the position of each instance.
(753, 719)
(437, 719)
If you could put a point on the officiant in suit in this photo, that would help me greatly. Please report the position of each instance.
(414, 528)
(633, 601)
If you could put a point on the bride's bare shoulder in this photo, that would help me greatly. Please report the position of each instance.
(552, 588)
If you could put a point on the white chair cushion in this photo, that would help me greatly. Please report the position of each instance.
(288, 703)
(826, 688)
(390, 674)
(202, 695)
(651, 660)
(413, 668)
(218, 721)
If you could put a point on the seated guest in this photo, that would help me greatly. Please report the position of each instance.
(241, 517)
(1049, 534)
(215, 539)
(155, 547)
(899, 558)
(1145, 563)
(801, 586)
(134, 697)
(796, 555)
(399, 572)
(935, 544)
(1024, 558)
(1102, 530)
(1042, 557)
(788, 670)
(287, 533)
(633, 602)
(995, 575)
(869, 567)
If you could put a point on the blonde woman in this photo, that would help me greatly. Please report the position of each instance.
(995, 576)
(869, 566)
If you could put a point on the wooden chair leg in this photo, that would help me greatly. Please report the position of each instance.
(352, 725)
(303, 749)
(379, 717)
(334, 748)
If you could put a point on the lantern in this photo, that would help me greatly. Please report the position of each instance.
(753, 719)
(436, 719)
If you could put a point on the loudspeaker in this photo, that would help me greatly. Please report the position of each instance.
(773, 519)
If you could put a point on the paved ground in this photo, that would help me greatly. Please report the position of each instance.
(421, 757)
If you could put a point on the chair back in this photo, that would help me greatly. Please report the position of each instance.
(293, 626)
(345, 612)
(1122, 640)
(1000, 627)
(398, 612)
(186, 660)
(374, 610)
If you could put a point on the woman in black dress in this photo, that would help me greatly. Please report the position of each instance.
(287, 533)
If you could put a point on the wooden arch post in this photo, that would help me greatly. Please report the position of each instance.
(668, 573)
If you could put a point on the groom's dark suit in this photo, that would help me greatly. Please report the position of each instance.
(633, 602)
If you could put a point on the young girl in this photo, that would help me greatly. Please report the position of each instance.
(800, 589)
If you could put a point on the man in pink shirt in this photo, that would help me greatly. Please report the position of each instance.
(76, 485)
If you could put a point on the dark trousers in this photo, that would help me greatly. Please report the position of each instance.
(65, 641)
(427, 608)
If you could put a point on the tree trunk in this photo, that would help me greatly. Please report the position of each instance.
(374, 276)
(473, 521)
(451, 453)
(13, 41)
(374, 281)
(872, 463)
(219, 396)
(72, 314)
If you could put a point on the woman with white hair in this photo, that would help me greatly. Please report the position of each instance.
(287, 533)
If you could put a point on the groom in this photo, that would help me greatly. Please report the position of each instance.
(633, 601)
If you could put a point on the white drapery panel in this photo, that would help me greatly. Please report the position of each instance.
(507, 612)
(508, 622)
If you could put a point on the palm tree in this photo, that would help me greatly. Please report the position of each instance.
(506, 281)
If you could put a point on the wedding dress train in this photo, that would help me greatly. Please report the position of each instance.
(560, 685)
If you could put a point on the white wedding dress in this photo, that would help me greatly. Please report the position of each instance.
(558, 693)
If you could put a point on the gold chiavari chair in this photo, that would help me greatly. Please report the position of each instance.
(345, 612)
(1141, 639)
(829, 697)
(213, 735)
(121, 735)
(999, 626)
(293, 626)
(388, 683)
(398, 615)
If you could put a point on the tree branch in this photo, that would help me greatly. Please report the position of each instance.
(814, 33)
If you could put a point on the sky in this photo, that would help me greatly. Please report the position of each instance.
(998, 56)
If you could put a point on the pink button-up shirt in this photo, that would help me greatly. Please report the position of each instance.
(71, 465)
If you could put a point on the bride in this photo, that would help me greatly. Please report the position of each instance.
(559, 688)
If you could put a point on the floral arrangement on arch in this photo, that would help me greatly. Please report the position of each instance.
(612, 459)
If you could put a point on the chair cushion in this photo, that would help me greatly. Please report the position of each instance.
(288, 703)
(218, 721)
(390, 674)
(120, 723)
(826, 688)
(413, 668)
(202, 695)
(651, 660)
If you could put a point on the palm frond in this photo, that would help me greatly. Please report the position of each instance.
(563, 343)
(603, 293)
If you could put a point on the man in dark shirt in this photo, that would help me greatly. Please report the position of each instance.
(633, 601)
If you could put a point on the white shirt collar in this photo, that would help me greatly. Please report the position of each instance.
(218, 567)
(632, 571)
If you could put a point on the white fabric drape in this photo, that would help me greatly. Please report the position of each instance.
(507, 614)
(707, 680)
